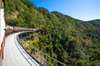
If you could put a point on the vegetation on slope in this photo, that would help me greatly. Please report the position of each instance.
(71, 41)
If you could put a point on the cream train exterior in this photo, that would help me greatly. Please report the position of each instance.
(2, 26)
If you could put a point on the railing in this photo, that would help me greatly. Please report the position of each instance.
(59, 63)
(28, 58)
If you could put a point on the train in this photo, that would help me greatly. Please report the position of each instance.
(6, 30)
(2, 32)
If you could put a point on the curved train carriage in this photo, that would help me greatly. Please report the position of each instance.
(2, 32)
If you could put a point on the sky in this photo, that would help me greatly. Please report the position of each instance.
(80, 9)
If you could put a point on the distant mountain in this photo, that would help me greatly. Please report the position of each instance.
(70, 41)
(95, 22)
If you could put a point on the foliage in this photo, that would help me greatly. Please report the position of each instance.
(68, 40)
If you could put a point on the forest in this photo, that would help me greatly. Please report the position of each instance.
(68, 40)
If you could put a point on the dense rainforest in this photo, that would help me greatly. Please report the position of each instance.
(68, 40)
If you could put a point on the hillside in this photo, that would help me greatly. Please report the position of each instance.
(70, 41)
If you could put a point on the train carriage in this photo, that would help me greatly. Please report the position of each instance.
(2, 32)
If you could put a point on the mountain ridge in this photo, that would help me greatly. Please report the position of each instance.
(71, 41)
